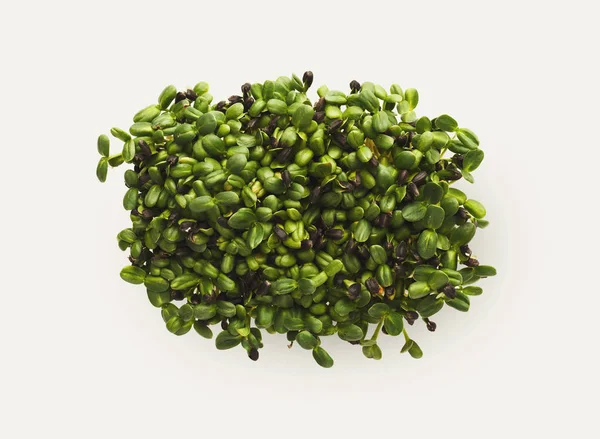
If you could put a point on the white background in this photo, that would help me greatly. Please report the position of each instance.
(84, 355)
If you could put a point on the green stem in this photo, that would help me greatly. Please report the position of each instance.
(377, 329)
(406, 337)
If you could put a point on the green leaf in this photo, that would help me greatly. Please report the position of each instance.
(414, 211)
(450, 205)
(475, 208)
(264, 315)
(156, 284)
(306, 286)
(394, 323)
(381, 122)
(322, 357)
(443, 243)
(468, 138)
(128, 150)
(460, 303)
(412, 97)
(350, 332)
(293, 323)
(427, 243)
(102, 169)
(186, 312)
(334, 267)
(384, 275)
(415, 351)
(472, 160)
(226, 309)
(205, 311)
(159, 299)
(103, 145)
(432, 192)
(284, 286)
(255, 235)
(423, 124)
(405, 160)
(168, 310)
(379, 310)
(429, 306)
(236, 163)
(432, 156)
(133, 275)
(485, 271)
(130, 200)
(242, 219)
(227, 341)
(472, 291)
(446, 123)
(363, 231)
(120, 134)
(423, 141)
(344, 306)
(303, 116)
(246, 140)
(174, 324)
(185, 281)
(437, 280)
(434, 217)
(372, 351)
(467, 175)
(207, 123)
(463, 234)
(202, 329)
(418, 289)
(306, 340)
(313, 324)
(407, 345)
(378, 254)
(244, 331)
(201, 204)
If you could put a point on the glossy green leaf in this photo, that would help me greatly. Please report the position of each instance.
(133, 275)
(427, 243)
(468, 138)
(472, 291)
(446, 123)
(303, 116)
(463, 234)
(475, 208)
(372, 351)
(322, 357)
(227, 341)
(379, 310)
(350, 332)
(414, 211)
(485, 271)
(306, 340)
(460, 303)
(205, 311)
(363, 231)
(437, 280)
(415, 351)
(412, 97)
(203, 330)
(472, 160)
(242, 219)
(102, 169)
(434, 217)
(418, 289)
(393, 323)
(432, 192)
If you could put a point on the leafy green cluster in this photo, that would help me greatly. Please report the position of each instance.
(266, 211)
